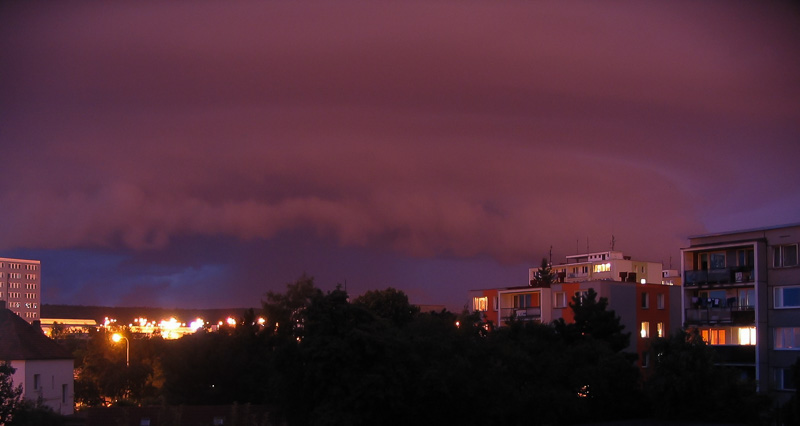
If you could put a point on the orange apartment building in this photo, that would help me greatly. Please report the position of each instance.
(634, 289)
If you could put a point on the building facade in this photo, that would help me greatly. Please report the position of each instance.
(741, 290)
(20, 287)
(634, 290)
(43, 367)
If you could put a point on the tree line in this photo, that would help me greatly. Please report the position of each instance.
(322, 359)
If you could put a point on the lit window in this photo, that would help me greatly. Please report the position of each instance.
(660, 301)
(645, 300)
(714, 336)
(787, 338)
(787, 297)
(645, 330)
(784, 256)
(602, 267)
(660, 329)
(747, 336)
(479, 304)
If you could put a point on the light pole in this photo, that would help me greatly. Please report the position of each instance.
(116, 337)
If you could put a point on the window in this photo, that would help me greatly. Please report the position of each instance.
(602, 267)
(660, 329)
(645, 300)
(714, 336)
(645, 359)
(645, 330)
(495, 303)
(784, 256)
(37, 382)
(747, 297)
(30, 276)
(787, 297)
(522, 300)
(660, 301)
(744, 257)
(64, 393)
(479, 304)
(526, 300)
(747, 336)
(13, 295)
(717, 260)
(787, 338)
(580, 295)
(560, 299)
(784, 380)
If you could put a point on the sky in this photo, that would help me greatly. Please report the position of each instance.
(201, 153)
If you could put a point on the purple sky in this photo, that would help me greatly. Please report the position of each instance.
(199, 154)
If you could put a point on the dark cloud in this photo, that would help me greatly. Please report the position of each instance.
(430, 132)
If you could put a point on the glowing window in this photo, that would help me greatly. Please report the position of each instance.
(645, 330)
(747, 336)
(660, 329)
(480, 304)
(714, 336)
(602, 267)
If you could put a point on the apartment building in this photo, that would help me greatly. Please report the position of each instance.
(606, 265)
(634, 289)
(20, 287)
(741, 290)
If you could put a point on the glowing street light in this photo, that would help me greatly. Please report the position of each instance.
(116, 337)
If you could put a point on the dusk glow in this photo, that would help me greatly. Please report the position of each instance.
(199, 154)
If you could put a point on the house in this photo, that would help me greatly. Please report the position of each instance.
(43, 367)
(741, 291)
(634, 289)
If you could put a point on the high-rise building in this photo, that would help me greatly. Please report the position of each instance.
(741, 291)
(20, 287)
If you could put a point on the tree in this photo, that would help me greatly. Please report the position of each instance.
(688, 384)
(283, 310)
(544, 276)
(9, 395)
(593, 318)
(390, 304)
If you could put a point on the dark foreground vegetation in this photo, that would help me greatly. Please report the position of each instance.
(321, 359)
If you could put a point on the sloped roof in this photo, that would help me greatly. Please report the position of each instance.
(20, 340)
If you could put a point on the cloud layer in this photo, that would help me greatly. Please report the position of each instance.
(425, 129)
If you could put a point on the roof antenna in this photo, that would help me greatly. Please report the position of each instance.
(613, 241)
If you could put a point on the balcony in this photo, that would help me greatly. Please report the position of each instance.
(734, 315)
(522, 314)
(735, 275)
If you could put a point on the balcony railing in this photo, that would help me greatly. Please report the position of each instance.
(523, 314)
(740, 315)
(733, 275)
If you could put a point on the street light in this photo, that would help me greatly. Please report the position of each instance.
(116, 337)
